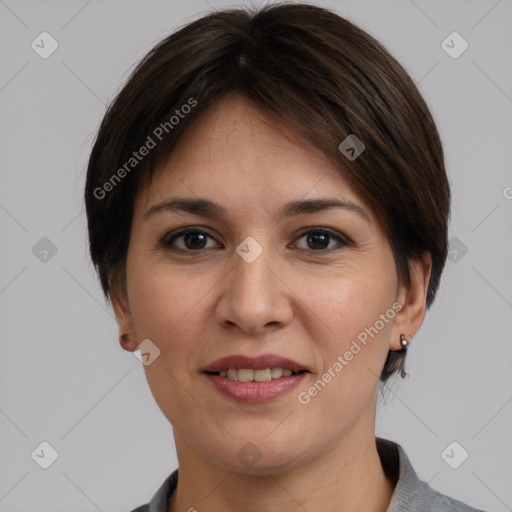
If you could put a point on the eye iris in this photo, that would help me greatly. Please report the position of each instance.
(196, 240)
(316, 238)
(194, 236)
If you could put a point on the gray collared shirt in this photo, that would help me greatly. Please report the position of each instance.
(410, 495)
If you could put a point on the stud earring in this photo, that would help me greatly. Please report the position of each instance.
(124, 339)
(403, 342)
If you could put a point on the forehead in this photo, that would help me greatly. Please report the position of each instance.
(235, 154)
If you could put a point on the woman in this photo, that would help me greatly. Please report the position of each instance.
(267, 207)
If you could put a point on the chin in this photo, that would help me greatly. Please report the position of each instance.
(260, 456)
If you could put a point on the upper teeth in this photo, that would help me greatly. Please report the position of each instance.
(248, 375)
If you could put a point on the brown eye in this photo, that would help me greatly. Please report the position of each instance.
(318, 240)
(191, 240)
(195, 240)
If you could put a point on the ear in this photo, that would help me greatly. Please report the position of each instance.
(413, 299)
(121, 306)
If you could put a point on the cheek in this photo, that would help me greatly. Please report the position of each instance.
(345, 306)
(350, 322)
(169, 310)
(170, 307)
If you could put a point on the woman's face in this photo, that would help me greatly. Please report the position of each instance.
(252, 283)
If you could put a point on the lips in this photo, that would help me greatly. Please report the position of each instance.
(255, 363)
(255, 380)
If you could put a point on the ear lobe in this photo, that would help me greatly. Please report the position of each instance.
(124, 319)
(413, 299)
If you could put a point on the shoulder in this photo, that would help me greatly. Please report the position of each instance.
(411, 493)
(427, 499)
(160, 501)
(438, 501)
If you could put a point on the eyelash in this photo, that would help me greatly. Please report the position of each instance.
(168, 240)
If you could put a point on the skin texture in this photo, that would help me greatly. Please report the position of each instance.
(293, 300)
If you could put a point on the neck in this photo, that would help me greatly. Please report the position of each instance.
(348, 477)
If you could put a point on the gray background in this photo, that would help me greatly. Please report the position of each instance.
(64, 377)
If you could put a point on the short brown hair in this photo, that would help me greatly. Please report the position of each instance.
(316, 72)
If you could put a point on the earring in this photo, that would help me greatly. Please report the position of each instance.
(124, 339)
(403, 342)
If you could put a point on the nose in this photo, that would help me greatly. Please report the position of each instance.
(255, 297)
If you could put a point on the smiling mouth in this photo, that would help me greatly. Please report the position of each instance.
(262, 375)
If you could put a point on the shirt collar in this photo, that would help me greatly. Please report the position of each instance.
(410, 492)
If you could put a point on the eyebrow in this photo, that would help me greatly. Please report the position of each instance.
(208, 208)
